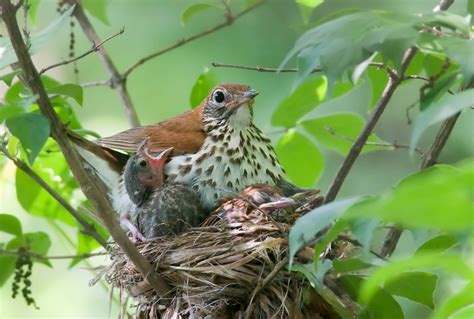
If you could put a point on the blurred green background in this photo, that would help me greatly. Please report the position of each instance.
(161, 88)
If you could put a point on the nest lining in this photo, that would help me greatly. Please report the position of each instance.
(223, 269)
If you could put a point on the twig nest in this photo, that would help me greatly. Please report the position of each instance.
(234, 266)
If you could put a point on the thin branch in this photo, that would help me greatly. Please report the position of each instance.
(390, 71)
(44, 257)
(88, 228)
(97, 83)
(395, 144)
(92, 187)
(117, 81)
(356, 148)
(431, 156)
(94, 48)
(229, 20)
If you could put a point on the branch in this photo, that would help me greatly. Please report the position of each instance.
(395, 144)
(391, 72)
(88, 229)
(94, 48)
(39, 256)
(116, 80)
(356, 148)
(229, 20)
(393, 236)
(90, 185)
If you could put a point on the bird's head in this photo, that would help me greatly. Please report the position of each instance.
(229, 104)
(144, 172)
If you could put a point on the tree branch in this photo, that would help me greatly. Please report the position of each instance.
(391, 72)
(39, 256)
(88, 229)
(90, 184)
(431, 156)
(117, 81)
(229, 20)
(94, 48)
(356, 148)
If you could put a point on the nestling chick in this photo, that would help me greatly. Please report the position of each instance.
(161, 209)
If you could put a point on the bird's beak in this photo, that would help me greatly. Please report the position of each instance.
(246, 98)
(162, 156)
(250, 94)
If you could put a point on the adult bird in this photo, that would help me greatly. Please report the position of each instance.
(161, 209)
(217, 149)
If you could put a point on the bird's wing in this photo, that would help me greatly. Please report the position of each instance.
(184, 133)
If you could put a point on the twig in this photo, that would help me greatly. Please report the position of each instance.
(117, 82)
(39, 256)
(356, 148)
(258, 68)
(229, 20)
(88, 228)
(395, 144)
(94, 48)
(90, 184)
(431, 156)
(96, 83)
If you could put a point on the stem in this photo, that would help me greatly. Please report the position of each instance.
(90, 185)
(356, 148)
(117, 81)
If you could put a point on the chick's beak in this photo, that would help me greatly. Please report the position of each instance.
(250, 94)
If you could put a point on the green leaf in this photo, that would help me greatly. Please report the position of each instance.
(98, 8)
(381, 306)
(464, 313)
(303, 173)
(378, 79)
(452, 264)
(35, 200)
(460, 51)
(414, 285)
(339, 131)
(363, 230)
(350, 265)
(422, 200)
(10, 224)
(203, 86)
(302, 100)
(7, 265)
(71, 90)
(439, 243)
(306, 8)
(8, 78)
(38, 40)
(454, 303)
(194, 9)
(7, 111)
(309, 225)
(86, 244)
(39, 243)
(447, 106)
(34, 4)
(439, 89)
(32, 129)
(322, 244)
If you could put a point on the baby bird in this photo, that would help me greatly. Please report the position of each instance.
(161, 209)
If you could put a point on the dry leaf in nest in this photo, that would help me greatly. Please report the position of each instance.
(231, 267)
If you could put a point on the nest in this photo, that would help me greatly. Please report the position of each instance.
(234, 266)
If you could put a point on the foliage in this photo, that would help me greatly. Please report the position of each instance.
(346, 55)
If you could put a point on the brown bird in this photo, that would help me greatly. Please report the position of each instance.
(217, 149)
(161, 209)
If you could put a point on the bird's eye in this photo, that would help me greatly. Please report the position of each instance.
(143, 162)
(218, 96)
